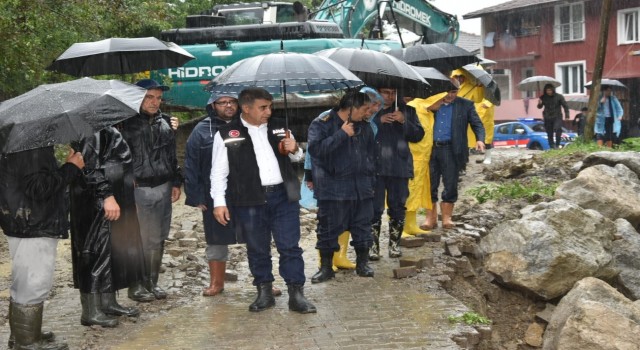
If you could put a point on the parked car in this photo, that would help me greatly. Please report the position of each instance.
(527, 132)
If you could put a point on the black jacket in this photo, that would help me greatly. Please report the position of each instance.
(393, 156)
(153, 146)
(33, 199)
(553, 106)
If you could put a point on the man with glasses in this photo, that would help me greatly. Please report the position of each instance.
(158, 180)
(221, 109)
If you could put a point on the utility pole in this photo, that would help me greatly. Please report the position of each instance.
(605, 17)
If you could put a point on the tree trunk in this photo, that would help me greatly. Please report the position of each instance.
(597, 70)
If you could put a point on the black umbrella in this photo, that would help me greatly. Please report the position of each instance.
(438, 81)
(65, 112)
(380, 70)
(444, 57)
(301, 72)
(119, 56)
(284, 72)
(491, 91)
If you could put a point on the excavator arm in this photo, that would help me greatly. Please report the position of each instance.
(364, 17)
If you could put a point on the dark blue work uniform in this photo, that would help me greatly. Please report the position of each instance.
(343, 177)
(197, 178)
(394, 162)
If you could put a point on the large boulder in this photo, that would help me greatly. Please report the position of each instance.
(626, 253)
(630, 159)
(593, 315)
(612, 191)
(550, 248)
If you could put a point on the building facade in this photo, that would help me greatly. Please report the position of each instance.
(559, 39)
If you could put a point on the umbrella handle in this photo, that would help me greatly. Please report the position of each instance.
(281, 150)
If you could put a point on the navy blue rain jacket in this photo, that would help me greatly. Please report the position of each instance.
(393, 156)
(343, 167)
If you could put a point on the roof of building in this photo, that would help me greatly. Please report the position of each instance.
(507, 6)
(470, 42)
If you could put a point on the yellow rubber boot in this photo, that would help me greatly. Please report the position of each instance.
(334, 267)
(340, 259)
(411, 226)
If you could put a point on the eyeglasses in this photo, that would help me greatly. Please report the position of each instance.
(226, 103)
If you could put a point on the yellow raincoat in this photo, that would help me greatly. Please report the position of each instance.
(486, 111)
(420, 185)
(471, 89)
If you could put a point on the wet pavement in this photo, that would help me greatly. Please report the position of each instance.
(353, 313)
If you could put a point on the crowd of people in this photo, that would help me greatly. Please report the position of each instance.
(375, 151)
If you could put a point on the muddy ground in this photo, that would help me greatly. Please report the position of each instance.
(511, 312)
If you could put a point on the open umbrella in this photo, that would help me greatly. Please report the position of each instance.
(65, 112)
(577, 102)
(444, 57)
(438, 81)
(491, 89)
(119, 56)
(282, 73)
(380, 70)
(537, 83)
(616, 84)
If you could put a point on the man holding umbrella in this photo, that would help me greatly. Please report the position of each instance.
(397, 125)
(33, 216)
(158, 181)
(254, 185)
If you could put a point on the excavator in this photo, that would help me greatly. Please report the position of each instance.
(231, 32)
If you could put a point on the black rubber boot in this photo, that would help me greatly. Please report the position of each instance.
(362, 263)
(92, 314)
(138, 292)
(44, 335)
(297, 301)
(26, 327)
(110, 306)
(374, 253)
(265, 298)
(326, 268)
(395, 232)
(154, 259)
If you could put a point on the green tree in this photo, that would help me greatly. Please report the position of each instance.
(34, 32)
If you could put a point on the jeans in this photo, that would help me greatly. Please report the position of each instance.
(337, 216)
(443, 165)
(278, 218)
(33, 262)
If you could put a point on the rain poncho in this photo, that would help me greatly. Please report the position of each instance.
(486, 111)
(419, 186)
(471, 89)
(106, 255)
(616, 112)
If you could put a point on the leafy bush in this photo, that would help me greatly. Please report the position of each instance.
(469, 318)
(530, 190)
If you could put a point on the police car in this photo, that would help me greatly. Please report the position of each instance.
(527, 133)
